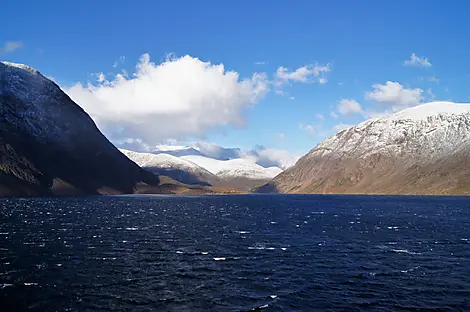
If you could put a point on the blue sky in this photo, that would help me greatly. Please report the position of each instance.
(361, 46)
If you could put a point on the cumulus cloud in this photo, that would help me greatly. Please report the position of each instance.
(348, 107)
(173, 99)
(309, 129)
(417, 61)
(394, 96)
(11, 46)
(306, 74)
(268, 157)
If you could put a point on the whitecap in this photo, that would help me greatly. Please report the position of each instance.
(410, 270)
(179, 252)
(283, 248)
(261, 307)
(272, 222)
(132, 228)
(405, 251)
(30, 284)
(6, 285)
(273, 296)
(220, 259)
(243, 232)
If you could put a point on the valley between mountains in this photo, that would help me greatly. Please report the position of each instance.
(51, 146)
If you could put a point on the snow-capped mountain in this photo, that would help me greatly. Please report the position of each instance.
(243, 173)
(48, 142)
(423, 149)
(235, 168)
(176, 168)
(209, 150)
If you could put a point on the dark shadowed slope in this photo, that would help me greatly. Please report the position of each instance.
(49, 145)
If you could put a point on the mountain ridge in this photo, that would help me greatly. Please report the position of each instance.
(50, 145)
(421, 150)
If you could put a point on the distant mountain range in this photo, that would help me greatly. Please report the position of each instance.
(193, 165)
(420, 150)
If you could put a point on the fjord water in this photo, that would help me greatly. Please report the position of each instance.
(235, 253)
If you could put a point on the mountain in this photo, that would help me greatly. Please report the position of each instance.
(240, 173)
(177, 151)
(420, 150)
(239, 167)
(49, 145)
(209, 150)
(176, 168)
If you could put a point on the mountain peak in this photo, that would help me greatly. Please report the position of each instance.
(20, 67)
(420, 150)
(423, 111)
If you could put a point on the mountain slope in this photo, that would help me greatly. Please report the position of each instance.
(240, 173)
(49, 145)
(421, 150)
(176, 168)
(239, 167)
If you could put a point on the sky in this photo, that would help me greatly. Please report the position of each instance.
(277, 74)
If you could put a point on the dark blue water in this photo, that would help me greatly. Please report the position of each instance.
(235, 253)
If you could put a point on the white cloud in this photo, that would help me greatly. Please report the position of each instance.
(263, 156)
(101, 78)
(268, 157)
(348, 107)
(417, 61)
(11, 46)
(319, 116)
(260, 63)
(173, 99)
(334, 115)
(133, 145)
(431, 94)
(306, 74)
(309, 129)
(121, 60)
(341, 126)
(393, 95)
(429, 78)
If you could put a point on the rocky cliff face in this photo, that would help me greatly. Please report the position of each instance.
(49, 145)
(421, 150)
